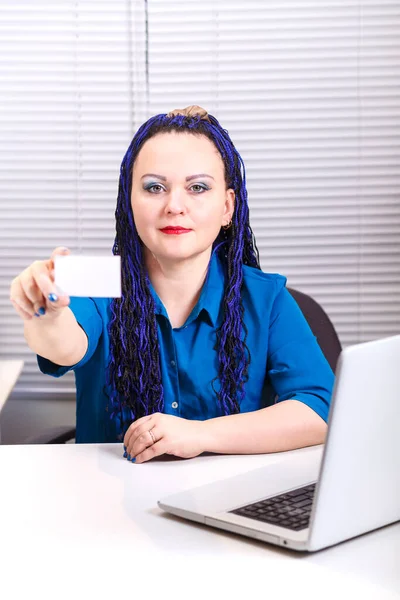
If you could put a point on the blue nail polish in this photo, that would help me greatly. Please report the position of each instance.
(129, 457)
(125, 455)
(42, 311)
(133, 459)
(53, 297)
(36, 315)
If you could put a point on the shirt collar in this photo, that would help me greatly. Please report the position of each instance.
(211, 294)
(213, 290)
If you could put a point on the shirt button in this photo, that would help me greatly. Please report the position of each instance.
(174, 405)
(173, 363)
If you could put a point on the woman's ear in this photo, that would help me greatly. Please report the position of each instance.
(229, 206)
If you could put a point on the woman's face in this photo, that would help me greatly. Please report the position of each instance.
(178, 181)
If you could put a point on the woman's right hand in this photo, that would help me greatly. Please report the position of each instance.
(30, 290)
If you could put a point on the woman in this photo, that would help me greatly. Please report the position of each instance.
(203, 351)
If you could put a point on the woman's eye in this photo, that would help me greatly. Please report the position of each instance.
(198, 189)
(154, 189)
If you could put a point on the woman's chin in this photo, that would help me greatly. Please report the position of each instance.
(177, 256)
(177, 252)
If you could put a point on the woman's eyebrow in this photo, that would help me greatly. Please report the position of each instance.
(154, 175)
(187, 178)
(198, 175)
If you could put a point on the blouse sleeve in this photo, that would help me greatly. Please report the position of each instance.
(89, 319)
(296, 365)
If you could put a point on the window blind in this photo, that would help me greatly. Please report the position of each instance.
(307, 90)
(73, 91)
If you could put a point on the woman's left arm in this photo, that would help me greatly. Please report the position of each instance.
(303, 382)
(284, 426)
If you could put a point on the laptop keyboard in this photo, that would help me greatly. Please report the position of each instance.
(291, 510)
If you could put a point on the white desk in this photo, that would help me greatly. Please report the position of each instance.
(10, 370)
(82, 522)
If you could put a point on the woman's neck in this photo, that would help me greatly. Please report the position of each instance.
(178, 283)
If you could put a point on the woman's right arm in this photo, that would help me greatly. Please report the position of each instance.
(55, 335)
(61, 340)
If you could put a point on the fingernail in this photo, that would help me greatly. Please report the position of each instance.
(125, 455)
(42, 311)
(36, 315)
(133, 459)
(129, 457)
(53, 297)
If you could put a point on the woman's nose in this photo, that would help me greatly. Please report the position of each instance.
(176, 203)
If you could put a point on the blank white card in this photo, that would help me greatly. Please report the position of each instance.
(94, 276)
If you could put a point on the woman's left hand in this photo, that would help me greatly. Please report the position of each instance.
(158, 434)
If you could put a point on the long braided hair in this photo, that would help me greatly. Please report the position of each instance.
(133, 375)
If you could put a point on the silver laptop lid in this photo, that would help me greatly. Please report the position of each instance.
(359, 486)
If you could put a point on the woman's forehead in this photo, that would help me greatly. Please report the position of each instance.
(179, 153)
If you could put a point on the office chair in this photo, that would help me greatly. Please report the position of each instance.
(321, 326)
(319, 322)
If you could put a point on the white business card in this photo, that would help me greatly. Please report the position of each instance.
(84, 276)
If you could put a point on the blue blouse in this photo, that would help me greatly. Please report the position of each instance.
(286, 360)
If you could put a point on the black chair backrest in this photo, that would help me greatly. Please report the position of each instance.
(321, 326)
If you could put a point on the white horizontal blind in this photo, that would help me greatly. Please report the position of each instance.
(73, 92)
(309, 92)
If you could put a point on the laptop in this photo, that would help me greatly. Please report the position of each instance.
(308, 504)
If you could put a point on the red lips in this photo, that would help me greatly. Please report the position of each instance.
(175, 230)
